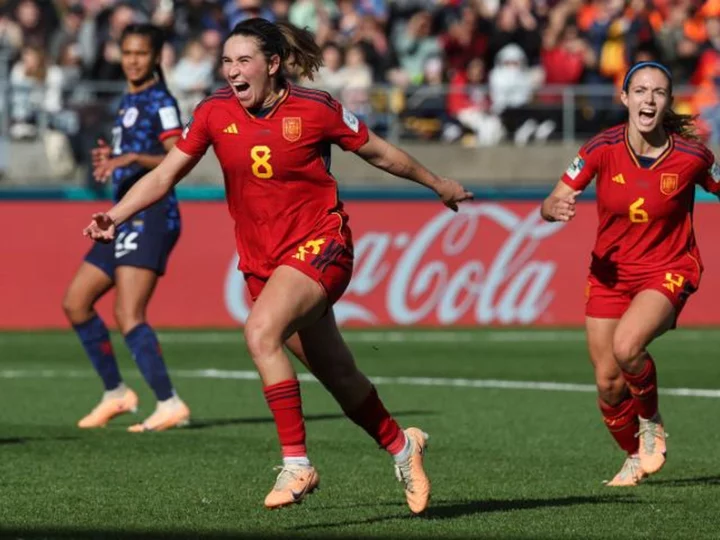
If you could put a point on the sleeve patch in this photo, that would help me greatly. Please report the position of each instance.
(351, 120)
(169, 118)
(715, 172)
(575, 167)
(187, 128)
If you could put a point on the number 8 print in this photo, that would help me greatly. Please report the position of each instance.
(261, 162)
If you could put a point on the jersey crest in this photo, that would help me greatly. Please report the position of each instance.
(292, 128)
(668, 183)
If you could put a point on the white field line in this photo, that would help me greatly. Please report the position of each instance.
(373, 336)
(497, 384)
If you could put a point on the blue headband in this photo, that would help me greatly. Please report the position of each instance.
(641, 65)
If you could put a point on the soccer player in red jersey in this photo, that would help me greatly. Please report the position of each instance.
(645, 263)
(272, 139)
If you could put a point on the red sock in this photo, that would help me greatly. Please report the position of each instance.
(285, 404)
(643, 388)
(622, 422)
(372, 416)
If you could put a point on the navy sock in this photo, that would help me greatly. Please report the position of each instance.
(145, 349)
(96, 341)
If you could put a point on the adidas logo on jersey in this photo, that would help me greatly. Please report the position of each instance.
(618, 179)
(232, 129)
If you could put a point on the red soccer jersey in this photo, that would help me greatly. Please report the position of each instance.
(276, 167)
(645, 214)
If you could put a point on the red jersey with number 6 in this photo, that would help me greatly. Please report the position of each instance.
(644, 206)
(276, 167)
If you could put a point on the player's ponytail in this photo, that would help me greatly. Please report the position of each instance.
(304, 55)
(682, 125)
(296, 47)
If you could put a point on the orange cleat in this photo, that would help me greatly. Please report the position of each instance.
(631, 473)
(411, 473)
(167, 415)
(292, 485)
(109, 408)
(652, 444)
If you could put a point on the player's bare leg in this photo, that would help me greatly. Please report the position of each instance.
(322, 349)
(87, 286)
(290, 300)
(614, 399)
(650, 315)
(135, 287)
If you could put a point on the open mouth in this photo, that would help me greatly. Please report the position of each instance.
(240, 87)
(647, 116)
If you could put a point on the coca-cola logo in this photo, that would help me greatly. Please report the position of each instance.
(442, 273)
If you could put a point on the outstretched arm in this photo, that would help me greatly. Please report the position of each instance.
(148, 190)
(104, 164)
(560, 204)
(389, 158)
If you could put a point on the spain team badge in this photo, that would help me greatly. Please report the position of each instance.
(668, 183)
(292, 128)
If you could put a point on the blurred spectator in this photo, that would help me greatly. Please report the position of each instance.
(512, 89)
(380, 55)
(70, 63)
(516, 24)
(347, 21)
(36, 90)
(312, 14)
(107, 64)
(330, 76)
(467, 37)
(565, 58)
(377, 9)
(192, 77)
(678, 50)
(357, 80)
(426, 116)
(281, 9)
(212, 41)
(415, 46)
(237, 11)
(196, 16)
(69, 33)
(706, 100)
(168, 59)
(469, 102)
(11, 38)
(34, 23)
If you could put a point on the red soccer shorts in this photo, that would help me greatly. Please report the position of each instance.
(610, 300)
(325, 257)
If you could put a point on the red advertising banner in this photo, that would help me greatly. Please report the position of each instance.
(494, 263)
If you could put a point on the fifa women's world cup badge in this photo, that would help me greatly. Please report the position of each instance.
(575, 167)
(292, 128)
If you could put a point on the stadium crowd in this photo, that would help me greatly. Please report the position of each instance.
(480, 71)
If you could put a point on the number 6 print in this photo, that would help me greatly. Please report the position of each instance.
(637, 214)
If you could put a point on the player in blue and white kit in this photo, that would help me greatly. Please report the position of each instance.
(146, 128)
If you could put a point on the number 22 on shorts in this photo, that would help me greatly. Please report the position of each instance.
(636, 213)
(261, 167)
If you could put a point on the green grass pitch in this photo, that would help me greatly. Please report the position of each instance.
(508, 458)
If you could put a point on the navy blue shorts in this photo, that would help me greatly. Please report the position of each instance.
(144, 241)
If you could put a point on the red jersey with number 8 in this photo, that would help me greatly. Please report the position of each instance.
(276, 168)
(644, 206)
